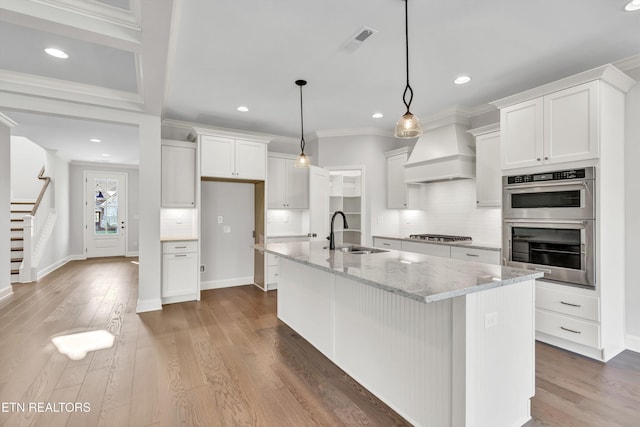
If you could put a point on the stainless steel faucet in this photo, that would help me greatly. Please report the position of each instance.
(332, 243)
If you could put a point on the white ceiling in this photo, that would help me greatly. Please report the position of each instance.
(250, 52)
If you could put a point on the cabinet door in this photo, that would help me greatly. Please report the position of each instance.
(276, 184)
(476, 255)
(396, 187)
(318, 202)
(521, 133)
(217, 157)
(179, 275)
(178, 176)
(387, 243)
(250, 160)
(488, 176)
(570, 124)
(297, 182)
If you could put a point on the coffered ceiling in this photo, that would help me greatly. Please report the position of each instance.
(197, 60)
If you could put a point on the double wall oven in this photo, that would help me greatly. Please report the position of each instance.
(549, 224)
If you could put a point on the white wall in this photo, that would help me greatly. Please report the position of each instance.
(632, 207)
(5, 203)
(284, 222)
(29, 159)
(226, 256)
(76, 205)
(450, 208)
(368, 151)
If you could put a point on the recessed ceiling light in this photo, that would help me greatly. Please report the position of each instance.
(243, 108)
(95, 140)
(377, 115)
(57, 53)
(105, 155)
(632, 6)
(462, 80)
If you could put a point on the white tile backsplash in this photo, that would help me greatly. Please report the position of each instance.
(178, 223)
(450, 208)
(285, 222)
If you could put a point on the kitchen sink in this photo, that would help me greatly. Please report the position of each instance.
(358, 250)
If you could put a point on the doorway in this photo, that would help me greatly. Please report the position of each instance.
(105, 214)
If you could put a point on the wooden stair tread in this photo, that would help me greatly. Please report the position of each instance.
(23, 203)
(20, 210)
(16, 249)
(16, 259)
(17, 229)
(17, 239)
(15, 271)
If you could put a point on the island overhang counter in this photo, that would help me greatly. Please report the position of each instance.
(443, 342)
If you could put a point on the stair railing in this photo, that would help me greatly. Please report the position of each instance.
(28, 271)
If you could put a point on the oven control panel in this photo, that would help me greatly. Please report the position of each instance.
(548, 176)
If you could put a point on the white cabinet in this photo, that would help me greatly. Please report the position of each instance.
(434, 249)
(488, 174)
(400, 195)
(476, 255)
(178, 174)
(288, 186)
(273, 271)
(232, 158)
(179, 271)
(556, 128)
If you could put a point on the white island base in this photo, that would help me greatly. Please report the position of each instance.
(462, 361)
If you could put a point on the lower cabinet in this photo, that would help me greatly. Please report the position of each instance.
(180, 271)
(475, 255)
(273, 271)
(427, 248)
(387, 243)
(568, 317)
(485, 256)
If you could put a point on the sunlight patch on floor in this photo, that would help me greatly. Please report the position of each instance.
(76, 346)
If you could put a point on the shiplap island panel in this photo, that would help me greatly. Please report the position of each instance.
(441, 341)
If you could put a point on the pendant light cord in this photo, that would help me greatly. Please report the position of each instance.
(406, 34)
(302, 142)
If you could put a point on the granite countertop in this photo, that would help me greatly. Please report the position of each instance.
(420, 277)
(284, 236)
(480, 245)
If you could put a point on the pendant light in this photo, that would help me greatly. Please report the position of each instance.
(408, 126)
(302, 161)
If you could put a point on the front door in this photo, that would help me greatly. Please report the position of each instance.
(105, 214)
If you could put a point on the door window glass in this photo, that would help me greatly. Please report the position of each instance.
(106, 206)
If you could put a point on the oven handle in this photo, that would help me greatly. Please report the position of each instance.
(546, 221)
(527, 185)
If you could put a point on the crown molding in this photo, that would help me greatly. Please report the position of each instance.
(200, 128)
(627, 64)
(493, 127)
(46, 87)
(104, 164)
(7, 121)
(104, 12)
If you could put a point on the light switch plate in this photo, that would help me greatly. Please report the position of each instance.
(220, 220)
(490, 320)
(226, 229)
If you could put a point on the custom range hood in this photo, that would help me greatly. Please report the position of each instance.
(444, 152)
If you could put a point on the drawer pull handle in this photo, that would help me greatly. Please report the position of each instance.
(180, 255)
(387, 244)
(180, 247)
(570, 330)
(568, 303)
(475, 255)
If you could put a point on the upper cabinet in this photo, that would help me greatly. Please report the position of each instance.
(178, 174)
(232, 158)
(488, 175)
(287, 186)
(400, 195)
(560, 122)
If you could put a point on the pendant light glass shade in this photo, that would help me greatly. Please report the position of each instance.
(408, 126)
(302, 161)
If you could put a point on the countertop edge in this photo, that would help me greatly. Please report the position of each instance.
(457, 244)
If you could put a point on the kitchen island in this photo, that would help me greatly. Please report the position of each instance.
(443, 342)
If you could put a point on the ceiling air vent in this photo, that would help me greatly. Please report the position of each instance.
(360, 36)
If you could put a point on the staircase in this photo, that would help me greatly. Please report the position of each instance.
(18, 211)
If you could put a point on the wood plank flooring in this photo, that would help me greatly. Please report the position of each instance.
(228, 361)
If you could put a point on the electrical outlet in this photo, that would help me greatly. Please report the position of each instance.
(226, 229)
(179, 220)
(220, 220)
(380, 219)
(202, 269)
(490, 320)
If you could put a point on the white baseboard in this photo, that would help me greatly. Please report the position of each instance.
(6, 292)
(226, 283)
(632, 343)
(148, 305)
(131, 254)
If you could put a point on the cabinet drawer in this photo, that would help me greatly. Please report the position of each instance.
(273, 271)
(570, 329)
(179, 247)
(273, 259)
(388, 244)
(427, 248)
(476, 255)
(572, 304)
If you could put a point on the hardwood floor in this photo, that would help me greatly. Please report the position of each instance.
(227, 361)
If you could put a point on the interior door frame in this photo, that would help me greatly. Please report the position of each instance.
(85, 206)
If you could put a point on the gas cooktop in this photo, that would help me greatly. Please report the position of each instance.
(440, 238)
